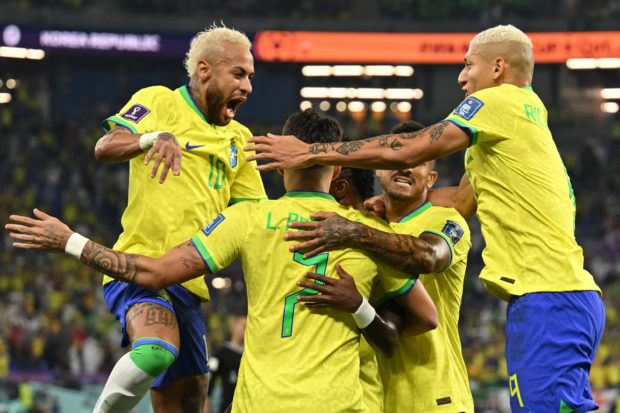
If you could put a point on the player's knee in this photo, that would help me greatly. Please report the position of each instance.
(153, 355)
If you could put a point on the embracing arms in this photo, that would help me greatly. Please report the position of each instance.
(398, 151)
(121, 144)
(50, 234)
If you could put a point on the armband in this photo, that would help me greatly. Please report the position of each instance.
(75, 245)
(148, 139)
(364, 314)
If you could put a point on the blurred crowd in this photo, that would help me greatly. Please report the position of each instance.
(54, 324)
(577, 12)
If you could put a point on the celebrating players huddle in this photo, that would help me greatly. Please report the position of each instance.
(323, 277)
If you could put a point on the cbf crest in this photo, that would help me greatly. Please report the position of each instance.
(234, 155)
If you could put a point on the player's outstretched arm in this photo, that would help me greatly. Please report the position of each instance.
(398, 151)
(343, 294)
(424, 254)
(460, 197)
(47, 233)
(420, 313)
(120, 144)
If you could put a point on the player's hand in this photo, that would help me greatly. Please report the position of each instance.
(331, 231)
(168, 150)
(376, 205)
(45, 233)
(336, 292)
(286, 152)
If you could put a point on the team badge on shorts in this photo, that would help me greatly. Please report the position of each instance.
(468, 108)
(233, 156)
(453, 231)
(135, 113)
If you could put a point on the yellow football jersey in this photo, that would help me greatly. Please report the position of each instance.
(372, 387)
(526, 204)
(427, 372)
(214, 174)
(295, 359)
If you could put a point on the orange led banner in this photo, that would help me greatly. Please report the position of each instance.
(430, 48)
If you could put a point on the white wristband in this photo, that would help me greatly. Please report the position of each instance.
(364, 314)
(148, 139)
(75, 245)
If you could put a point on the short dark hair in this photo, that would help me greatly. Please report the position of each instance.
(407, 126)
(363, 180)
(312, 126)
(410, 126)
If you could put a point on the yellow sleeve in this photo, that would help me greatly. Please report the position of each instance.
(452, 227)
(248, 184)
(484, 115)
(147, 108)
(220, 242)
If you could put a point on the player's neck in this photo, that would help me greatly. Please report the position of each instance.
(308, 180)
(396, 209)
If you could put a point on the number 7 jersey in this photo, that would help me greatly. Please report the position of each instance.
(295, 359)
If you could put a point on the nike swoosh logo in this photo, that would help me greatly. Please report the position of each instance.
(190, 147)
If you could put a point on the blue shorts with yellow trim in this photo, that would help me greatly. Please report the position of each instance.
(551, 340)
(193, 355)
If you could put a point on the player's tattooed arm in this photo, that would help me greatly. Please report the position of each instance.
(118, 145)
(424, 254)
(399, 151)
(47, 233)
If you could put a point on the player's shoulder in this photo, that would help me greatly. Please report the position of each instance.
(445, 214)
(365, 217)
(152, 94)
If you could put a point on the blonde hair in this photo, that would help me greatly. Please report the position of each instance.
(511, 44)
(208, 45)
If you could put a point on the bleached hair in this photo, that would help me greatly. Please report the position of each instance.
(208, 44)
(501, 33)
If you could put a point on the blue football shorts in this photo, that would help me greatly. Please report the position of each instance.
(193, 354)
(551, 340)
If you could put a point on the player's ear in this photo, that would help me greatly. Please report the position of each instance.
(336, 172)
(499, 67)
(432, 178)
(339, 188)
(203, 70)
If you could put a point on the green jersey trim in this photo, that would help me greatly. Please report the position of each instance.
(115, 119)
(202, 250)
(187, 97)
(529, 88)
(309, 194)
(416, 212)
(449, 241)
(237, 200)
(473, 130)
(402, 290)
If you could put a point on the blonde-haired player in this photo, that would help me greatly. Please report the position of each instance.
(194, 125)
(517, 183)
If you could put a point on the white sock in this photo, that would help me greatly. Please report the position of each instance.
(126, 386)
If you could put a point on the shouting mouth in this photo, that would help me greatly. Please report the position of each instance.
(232, 105)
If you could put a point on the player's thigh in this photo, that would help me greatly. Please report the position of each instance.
(149, 319)
(186, 395)
(551, 340)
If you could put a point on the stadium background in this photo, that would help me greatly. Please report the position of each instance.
(57, 340)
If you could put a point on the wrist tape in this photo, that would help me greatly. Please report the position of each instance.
(148, 139)
(364, 314)
(75, 245)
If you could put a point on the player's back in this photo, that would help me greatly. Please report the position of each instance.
(294, 358)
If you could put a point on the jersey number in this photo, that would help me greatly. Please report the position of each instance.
(289, 302)
(219, 167)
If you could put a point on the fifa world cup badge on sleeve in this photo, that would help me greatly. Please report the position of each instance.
(453, 231)
(468, 108)
(135, 113)
(213, 224)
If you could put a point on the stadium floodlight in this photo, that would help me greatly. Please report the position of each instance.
(5, 97)
(13, 52)
(356, 106)
(403, 107)
(337, 92)
(314, 92)
(305, 104)
(221, 282)
(610, 93)
(609, 63)
(579, 64)
(378, 106)
(370, 93)
(403, 71)
(348, 70)
(610, 107)
(11, 83)
(341, 106)
(325, 105)
(316, 70)
(400, 94)
(379, 70)
(35, 54)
